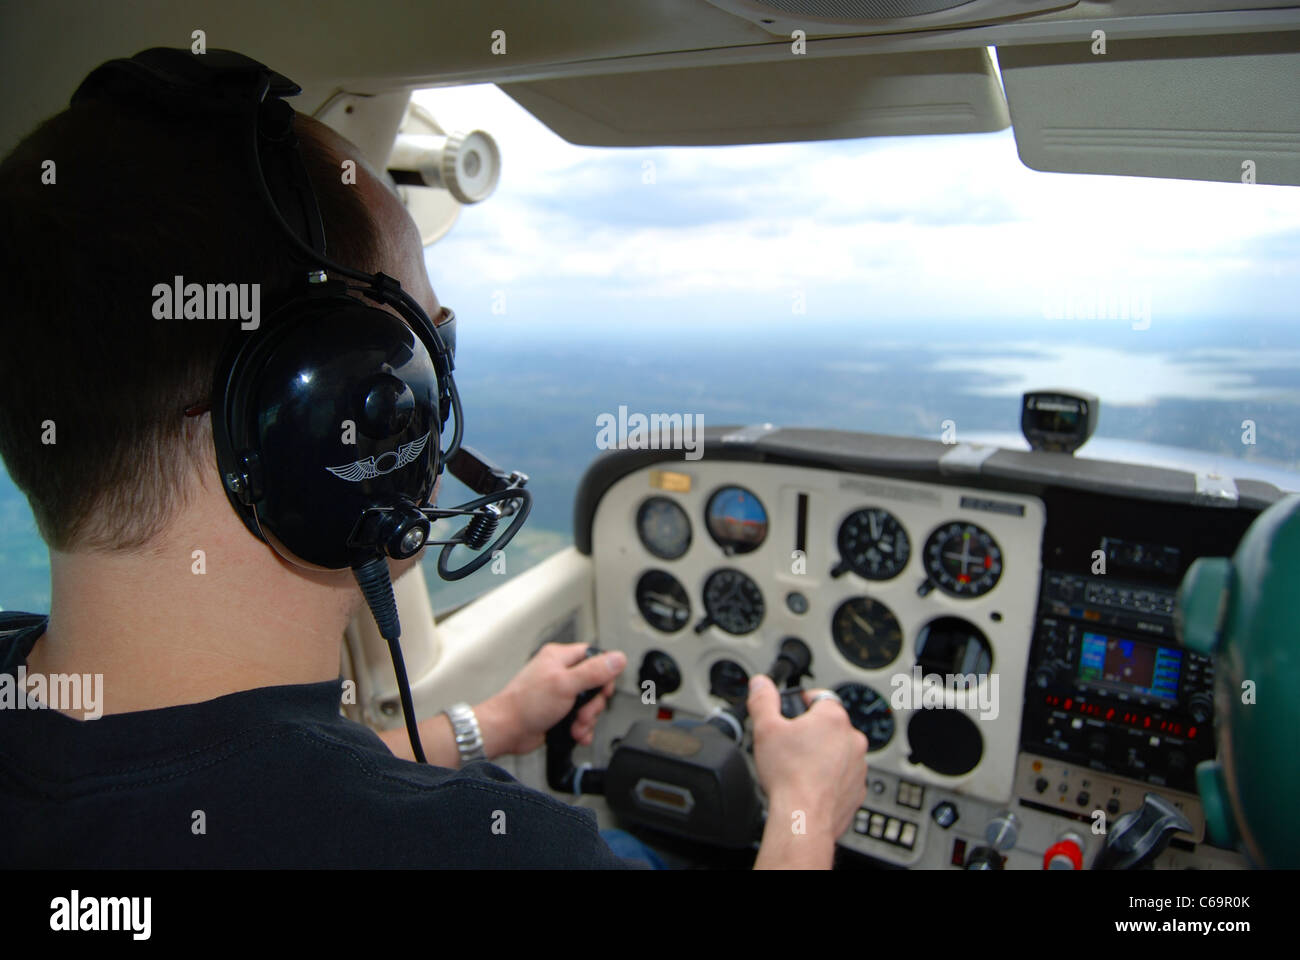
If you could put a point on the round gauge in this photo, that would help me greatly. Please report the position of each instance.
(732, 601)
(736, 520)
(873, 544)
(664, 528)
(951, 645)
(867, 633)
(963, 560)
(729, 680)
(946, 741)
(869, 712)
(663, 601)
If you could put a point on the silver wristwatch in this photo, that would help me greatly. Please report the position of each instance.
(469, 738)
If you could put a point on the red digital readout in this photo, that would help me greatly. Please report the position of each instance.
(1132, 718)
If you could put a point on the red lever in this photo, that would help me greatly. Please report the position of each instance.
(1064, 848)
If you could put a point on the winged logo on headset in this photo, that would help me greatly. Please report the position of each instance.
(372, 467)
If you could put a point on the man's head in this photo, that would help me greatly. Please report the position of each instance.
(92, 386)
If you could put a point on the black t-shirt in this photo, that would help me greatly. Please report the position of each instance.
(271, 777)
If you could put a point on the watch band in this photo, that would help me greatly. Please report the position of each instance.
(469, 738)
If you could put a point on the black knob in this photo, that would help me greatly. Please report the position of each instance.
(1045, 675)
(984, 858)
(944, 814)
(1040, 784)
(660, 669)
(1201, 707)
(387, 405)
(1112, 806)
(1082, 798)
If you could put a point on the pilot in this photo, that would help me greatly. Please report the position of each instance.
(216, 738)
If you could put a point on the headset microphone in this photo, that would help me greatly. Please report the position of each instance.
(327, 418)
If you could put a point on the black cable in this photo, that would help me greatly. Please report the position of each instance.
(377, 588)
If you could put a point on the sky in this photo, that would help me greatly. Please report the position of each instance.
(878, 231)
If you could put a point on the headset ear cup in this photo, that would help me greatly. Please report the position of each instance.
(232, 388)
(328, 413)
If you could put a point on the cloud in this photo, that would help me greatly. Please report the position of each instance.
(945, 226)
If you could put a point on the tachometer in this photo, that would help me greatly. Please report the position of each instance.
(867, 633)
(873, 544)
(662, 600)
(963, 560)
(664, 528)
(732, 601)
(869, 712)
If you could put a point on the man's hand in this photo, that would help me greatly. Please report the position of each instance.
(516, 719)
(814, 771)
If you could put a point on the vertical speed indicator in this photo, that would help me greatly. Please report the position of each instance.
(963, 560)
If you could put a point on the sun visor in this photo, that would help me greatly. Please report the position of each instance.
(794, 98)
(1223, 107)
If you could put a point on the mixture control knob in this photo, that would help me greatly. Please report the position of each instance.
(1065, 854)
(984, 858)
(1003, 830)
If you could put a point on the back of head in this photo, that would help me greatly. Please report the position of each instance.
(98, 206)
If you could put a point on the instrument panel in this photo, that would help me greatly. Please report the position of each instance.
(998, 623)
(902, 590)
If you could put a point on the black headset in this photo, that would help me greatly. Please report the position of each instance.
(327, 417)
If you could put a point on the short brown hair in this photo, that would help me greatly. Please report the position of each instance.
(137, 200)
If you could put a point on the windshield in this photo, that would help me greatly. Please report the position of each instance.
(909, 286)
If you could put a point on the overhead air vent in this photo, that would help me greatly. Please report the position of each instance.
(836, 17)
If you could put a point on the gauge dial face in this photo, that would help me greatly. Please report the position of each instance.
(963, 560)
(873, 544)
(733, 602)
(664, 528)
(736, 520)
(869, 712)
(729, 680)
(662, 600)
(867, 633)
(951, 645)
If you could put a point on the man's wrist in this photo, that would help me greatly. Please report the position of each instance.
(495, 726)
(799, 834)
(466, 733)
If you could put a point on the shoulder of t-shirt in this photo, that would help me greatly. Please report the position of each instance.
(400, 780)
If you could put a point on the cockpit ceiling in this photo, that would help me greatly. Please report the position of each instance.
(662, 72)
